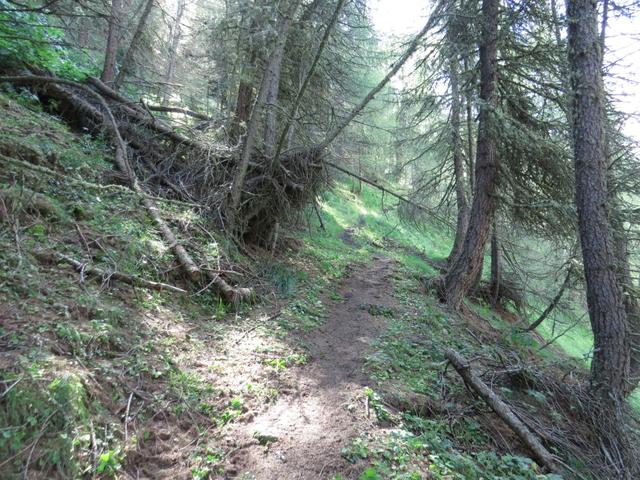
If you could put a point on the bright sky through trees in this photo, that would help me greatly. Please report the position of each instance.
(397, 18)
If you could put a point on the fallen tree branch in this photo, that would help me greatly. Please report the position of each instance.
(409, 51)
(184, 111)
(230, 294)
(141, 114)
(48, 257)
(501, 409)
(554, 301)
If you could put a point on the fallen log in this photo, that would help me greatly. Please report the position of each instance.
(49, 257)
(183, 111)
(140, 113)
(501, 409)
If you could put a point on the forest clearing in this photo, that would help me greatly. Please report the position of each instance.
(319, 239)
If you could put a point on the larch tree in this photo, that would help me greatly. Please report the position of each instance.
(611, 353)
(128, 60)
(464, 270)
(462, 204)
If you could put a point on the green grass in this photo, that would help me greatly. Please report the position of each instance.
(371, 230)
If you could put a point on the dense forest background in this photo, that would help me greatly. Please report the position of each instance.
(273, 195)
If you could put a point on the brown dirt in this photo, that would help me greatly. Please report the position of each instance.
(324, 408)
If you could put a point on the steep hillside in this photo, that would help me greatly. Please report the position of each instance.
(337, 372)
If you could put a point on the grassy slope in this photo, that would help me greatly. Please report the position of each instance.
(75, 355)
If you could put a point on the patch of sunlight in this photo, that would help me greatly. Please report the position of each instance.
(337, 216)
(186, 216)
(157, 246)
(212, 249)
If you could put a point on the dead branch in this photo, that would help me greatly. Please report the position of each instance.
(409, 51)
(89, 185)
(503, 410)
(138, 112)
(49, 257)
(184, 111)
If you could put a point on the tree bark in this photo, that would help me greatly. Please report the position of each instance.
(496, 265)
(460, 277)
(127, 62)
(275, 59)
(176, 34)
(462, 220)
(273, 84)
(629, 292)
(113, 39)
(611, 356)
(309, 74)
(456, 141)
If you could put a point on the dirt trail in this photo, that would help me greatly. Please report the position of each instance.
(326, 409)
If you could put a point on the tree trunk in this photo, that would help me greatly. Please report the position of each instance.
(462, 204)
(243, 104)
(133, 46)
(530, 439)
(233, 207)
(611, 355)
(496, 266)
(176, 34)
(113, 39)
(460, 277)
(309, 74)
(629, 292)
(470, 152)
(83, 32)
(273, 87)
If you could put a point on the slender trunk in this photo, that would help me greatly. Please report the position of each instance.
(621, 243)
(83, 32)
(496, 266)
(176, 34)
(127, 62)
(469, 114)
(465, 268)
(629, 292)
(554, 302)
(252, 128)
(462, 204)
(244, 97)
(305, 83)
(470, 151)
(611, 356)
(113, 38)
(273, 88)
(243, 103)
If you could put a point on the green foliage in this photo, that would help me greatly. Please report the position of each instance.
(110, 462)
(29, 38)
(49, 410)
(428, 454)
